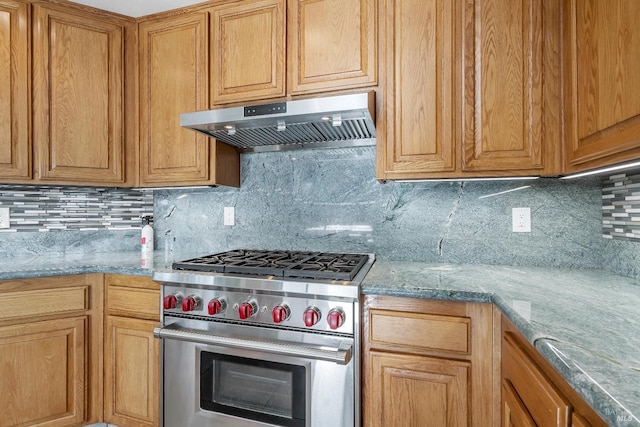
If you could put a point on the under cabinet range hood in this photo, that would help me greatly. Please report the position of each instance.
(334, 121)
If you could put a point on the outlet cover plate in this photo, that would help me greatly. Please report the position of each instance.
(229, 215)
(521, 220)
(4, 218)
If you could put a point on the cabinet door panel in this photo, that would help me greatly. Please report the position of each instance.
(15, 145)
(42, 366)
(419, 88)
(132, 358)
(417, 391)
(514, 413)
(603, 63)
(173, 69)
(78, 98)
(503, 105)
(332, 44)
(243, 66)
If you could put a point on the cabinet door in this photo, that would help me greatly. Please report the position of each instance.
(78, 98)
(503, 85)
(42, 366)
(514, 413)
(603, 89)
(132, 363)
(543, 402)
(15, 144)
(247, 51)
(332, 44)
(418, 57)
(174, 80)
(410, 390)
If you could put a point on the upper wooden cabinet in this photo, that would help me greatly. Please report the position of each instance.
(78, 97)
(472, 88)
(15, 141)
(332, 44)
(602, 99)
(315, 45)
(173, 80)
(248, 51)
(418, 136)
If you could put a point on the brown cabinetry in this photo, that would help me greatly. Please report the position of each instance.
(173, 80)
(428, 363)
(471, 89)
(248, 51)
(315, 45)
(78, 97)
(132, 354)
(50, 361)
(332, 44)
(15, 141)
(602, 102)
(533, 393)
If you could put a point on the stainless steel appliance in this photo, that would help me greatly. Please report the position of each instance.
(255, 338)
(331, 121)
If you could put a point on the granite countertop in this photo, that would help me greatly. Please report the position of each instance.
(586, 323)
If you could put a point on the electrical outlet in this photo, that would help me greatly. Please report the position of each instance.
(521, 218)
(4, 218)
(229, 215)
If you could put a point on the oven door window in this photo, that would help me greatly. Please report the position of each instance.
(259, 390)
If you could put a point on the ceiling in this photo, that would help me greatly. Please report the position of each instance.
(137, 8)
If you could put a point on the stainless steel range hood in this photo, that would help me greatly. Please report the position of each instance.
(335, 121)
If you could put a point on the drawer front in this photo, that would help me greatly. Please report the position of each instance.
(27, 304)
(423, 331)
(545, 405)
(138, 303)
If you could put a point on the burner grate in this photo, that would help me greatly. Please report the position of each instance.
(292, 264)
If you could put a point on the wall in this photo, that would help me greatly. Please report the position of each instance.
(329, 200)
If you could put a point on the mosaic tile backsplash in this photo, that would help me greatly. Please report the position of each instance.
(621, 207)
(44, 209)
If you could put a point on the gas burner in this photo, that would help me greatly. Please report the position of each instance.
(292, 264)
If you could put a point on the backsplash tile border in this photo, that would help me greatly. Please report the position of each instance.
(621, 207)
(62, 208)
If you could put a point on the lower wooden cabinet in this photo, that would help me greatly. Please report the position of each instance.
(533, 393)
(428, 363)
(50, 351)
(131, 353)
(43, 371)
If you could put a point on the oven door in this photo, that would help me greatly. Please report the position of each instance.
(227, 376)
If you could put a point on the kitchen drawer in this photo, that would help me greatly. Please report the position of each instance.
(130, 296)
(29, 303)
(422, 331)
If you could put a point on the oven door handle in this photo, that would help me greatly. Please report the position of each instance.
(340, 355)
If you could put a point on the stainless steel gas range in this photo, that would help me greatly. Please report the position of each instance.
(255, 338)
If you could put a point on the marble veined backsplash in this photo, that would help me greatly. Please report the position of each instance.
(329, 200)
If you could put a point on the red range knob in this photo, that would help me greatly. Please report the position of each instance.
(335, 318)
(216, 306)
(311, 316)
(189, 304)
(246, 310)
(280, 313)
(169, 302)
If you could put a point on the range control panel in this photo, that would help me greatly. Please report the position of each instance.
(262, 309)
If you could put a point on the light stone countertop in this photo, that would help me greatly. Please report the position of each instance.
(586, 323)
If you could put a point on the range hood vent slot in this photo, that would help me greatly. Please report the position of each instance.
(305, 124)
